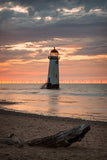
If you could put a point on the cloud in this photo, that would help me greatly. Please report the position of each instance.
(16, 8)
(30, 29)
(51, 10)
(66, 12)
(75, 49)
(37, 20)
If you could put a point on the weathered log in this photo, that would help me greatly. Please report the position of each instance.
(12, 140)
(62, 139)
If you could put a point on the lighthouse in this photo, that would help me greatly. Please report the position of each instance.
(53, 72)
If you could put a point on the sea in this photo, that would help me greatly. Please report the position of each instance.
(81, 101)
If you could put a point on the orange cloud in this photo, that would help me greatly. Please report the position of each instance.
(72, 67)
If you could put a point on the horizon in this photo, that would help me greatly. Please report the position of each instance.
(60, 82)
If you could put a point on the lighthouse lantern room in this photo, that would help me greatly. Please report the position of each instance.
(53, 72)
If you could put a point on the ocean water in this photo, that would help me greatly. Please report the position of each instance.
(84, 101)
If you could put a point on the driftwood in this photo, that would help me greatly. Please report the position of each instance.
(61, 139)
(12, 140)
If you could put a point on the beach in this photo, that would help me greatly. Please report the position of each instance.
(29, 126)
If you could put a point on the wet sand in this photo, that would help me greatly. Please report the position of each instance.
(30, 126)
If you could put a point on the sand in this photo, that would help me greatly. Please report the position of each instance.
(30, 126)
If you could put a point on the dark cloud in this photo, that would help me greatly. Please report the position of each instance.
(61, 30)
(31, 11)
(89, 4)
(52, 4)
(96, 50)
(5, 15)
(45, 8)
(6, 55)
(32, 25)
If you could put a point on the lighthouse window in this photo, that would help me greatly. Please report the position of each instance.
(54, 54)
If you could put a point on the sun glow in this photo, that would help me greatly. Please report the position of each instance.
(37, 18)
(17, 8)
(28, 46)
(48, 18)
(66, 11)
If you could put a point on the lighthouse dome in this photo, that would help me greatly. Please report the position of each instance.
(54, 52)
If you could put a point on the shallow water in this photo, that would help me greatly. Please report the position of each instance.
(85, 101)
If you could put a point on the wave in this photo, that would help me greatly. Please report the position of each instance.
(87, 94)
(53, 93)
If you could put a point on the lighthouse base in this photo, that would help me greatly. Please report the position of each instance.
(52, 86)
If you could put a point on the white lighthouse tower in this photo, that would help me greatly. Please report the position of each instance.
(53, 73)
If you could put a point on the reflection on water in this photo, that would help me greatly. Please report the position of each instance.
(75, 101)
(53, 103)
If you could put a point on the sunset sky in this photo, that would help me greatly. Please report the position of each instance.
(29, 29)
